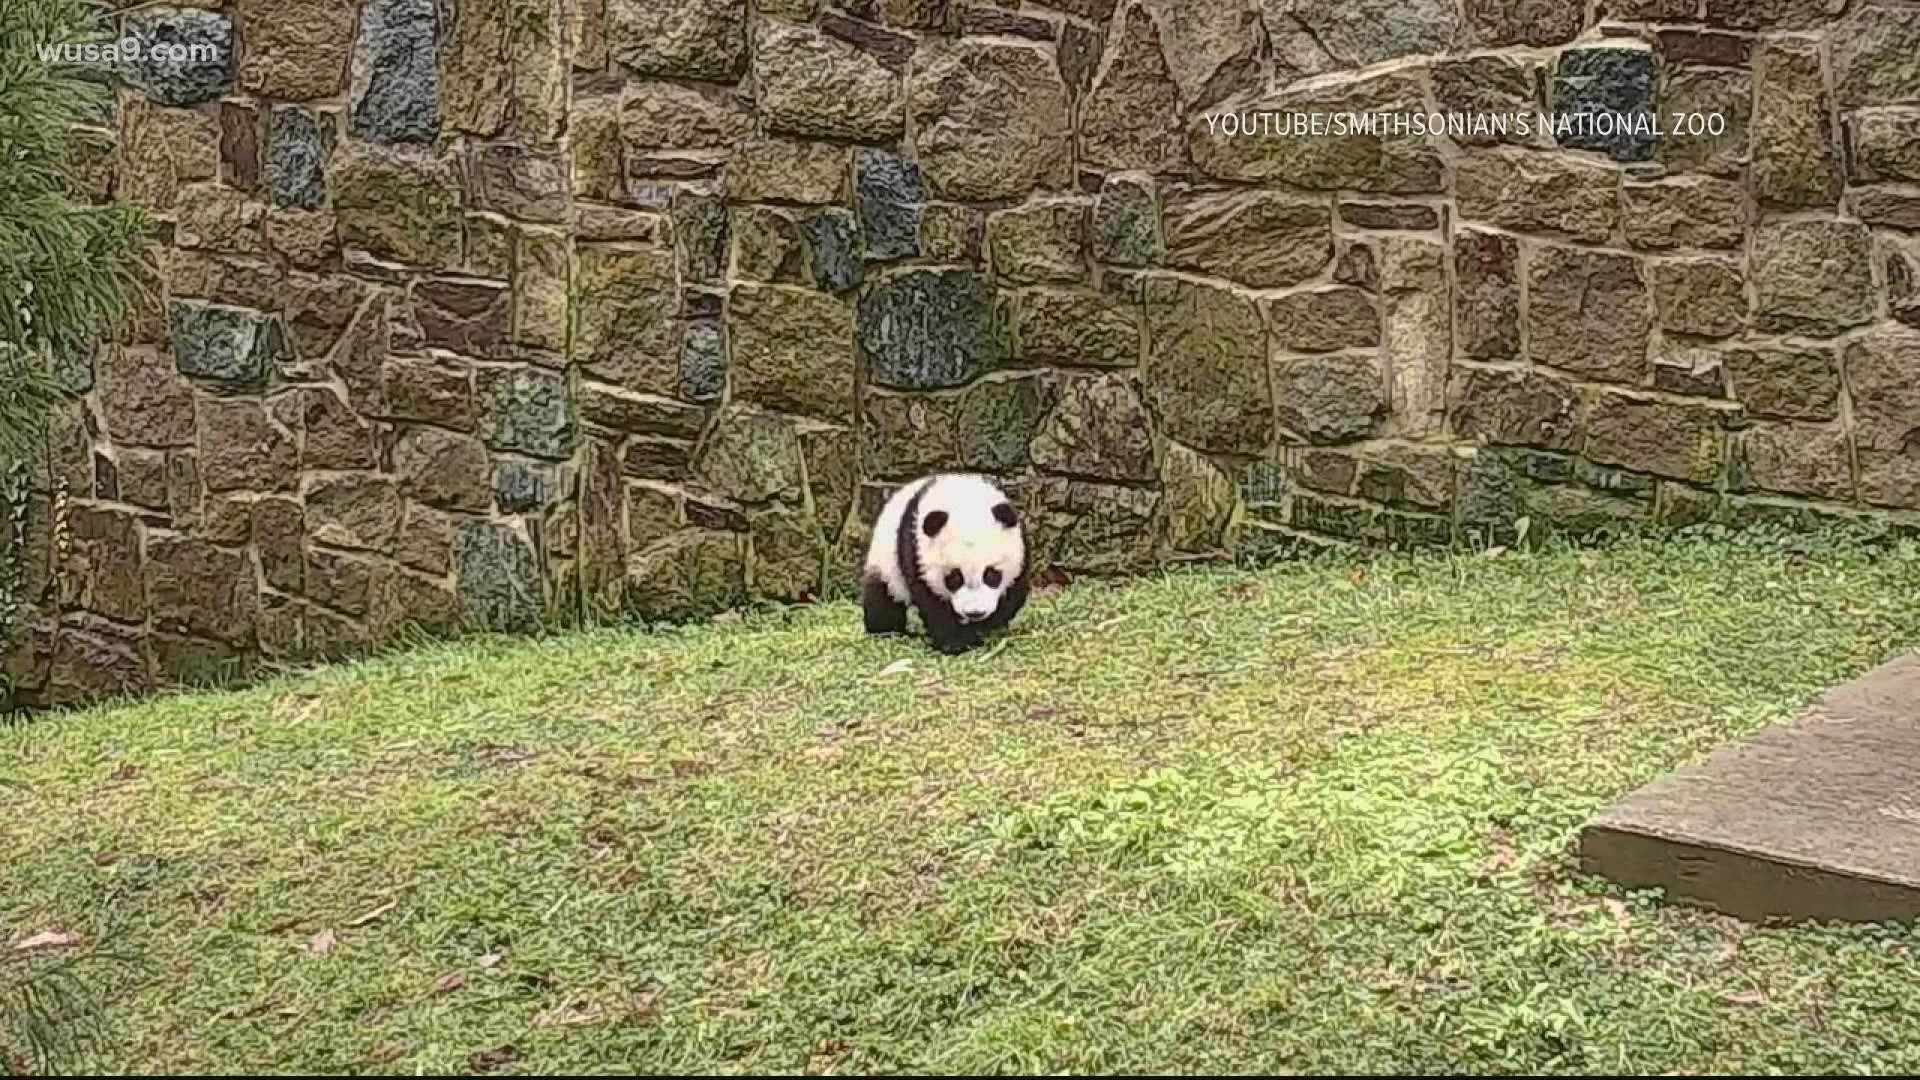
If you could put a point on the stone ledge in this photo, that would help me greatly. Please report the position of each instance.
(1817, 818)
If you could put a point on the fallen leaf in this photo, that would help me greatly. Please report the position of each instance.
(489, 1060)
(322, 943)
(641, 1007)
(1619, 912)
(823, 755)
(1042, 713)
(565, 1014)
(283, 925)
(370, 916)
(726, 618)
(492, 959)
(1496, 551)
(691, 767)
(1357, 575)
(389, 1052)
(898, 667)
(47, 939)
(126, 772)
(640, 761)
(106, 858)
(629, 877)
(448, 983)
(1746, 997)
(1503, 858)
(1243, 589)
(246, 1012)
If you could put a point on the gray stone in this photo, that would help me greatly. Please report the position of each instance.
(751, 456)
(1772, 14)
(1043, 240)
(1098, 428)
(1512, 408)
(1487, 294)
(1703, 297)
(1612, 89)
(1528, 191)
(1793, 459)
(1493, 87)
(1206, 368)
(1590, 312)
(703, 362)
(1794, 160)
(182, 57)
(888, 193)
(1075, 328)
(792, 350)
(496, 576)
(990, 119)
(1686, 211)
(998, 417)
(1126, 222)
(693, 39)
(1342, 34)
(927, 329)
(1131, 118)
(1710, 47)
(235, 345)
(523, 409)
(1885, 394)
(469, 317)
(1812, 277)
(1233, 143)
(692, 573)
(444, 469)
(1792, 823)
(1091, 527)
(1259, 238)
(626, 326)
(1682, 442)
(1876, 56)
(1325, 319)
(1886, 146)
(1695, 371)
(813, 84)
(1716, 148)
(395, 92)
(1891, 209)
(520, 183)
(296, 158)
(521, 487)
(835, 264)
(194, 587)
(701, 232)
(1522, 22)
(1330, 399)
(353, 510)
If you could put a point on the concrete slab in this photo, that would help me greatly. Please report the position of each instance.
(1817, 818)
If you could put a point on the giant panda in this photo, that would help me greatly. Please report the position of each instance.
(953, 546)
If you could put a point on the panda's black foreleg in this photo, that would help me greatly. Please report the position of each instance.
(884, 614)
(1011, 602)
(945, 631)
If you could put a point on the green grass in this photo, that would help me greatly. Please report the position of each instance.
(1315, 818)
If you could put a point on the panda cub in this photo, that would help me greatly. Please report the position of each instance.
(952, 546)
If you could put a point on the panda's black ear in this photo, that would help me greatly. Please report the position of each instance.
(1006, 515)
(934, 522)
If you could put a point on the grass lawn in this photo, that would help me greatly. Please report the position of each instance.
(1315, 818)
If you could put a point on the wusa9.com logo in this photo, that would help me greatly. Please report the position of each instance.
(130, 50)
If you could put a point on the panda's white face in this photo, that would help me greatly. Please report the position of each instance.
(971, 549)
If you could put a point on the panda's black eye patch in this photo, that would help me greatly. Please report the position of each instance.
(991, 577)
(955, 579)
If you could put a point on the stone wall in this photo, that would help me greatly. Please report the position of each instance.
(478, 313)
